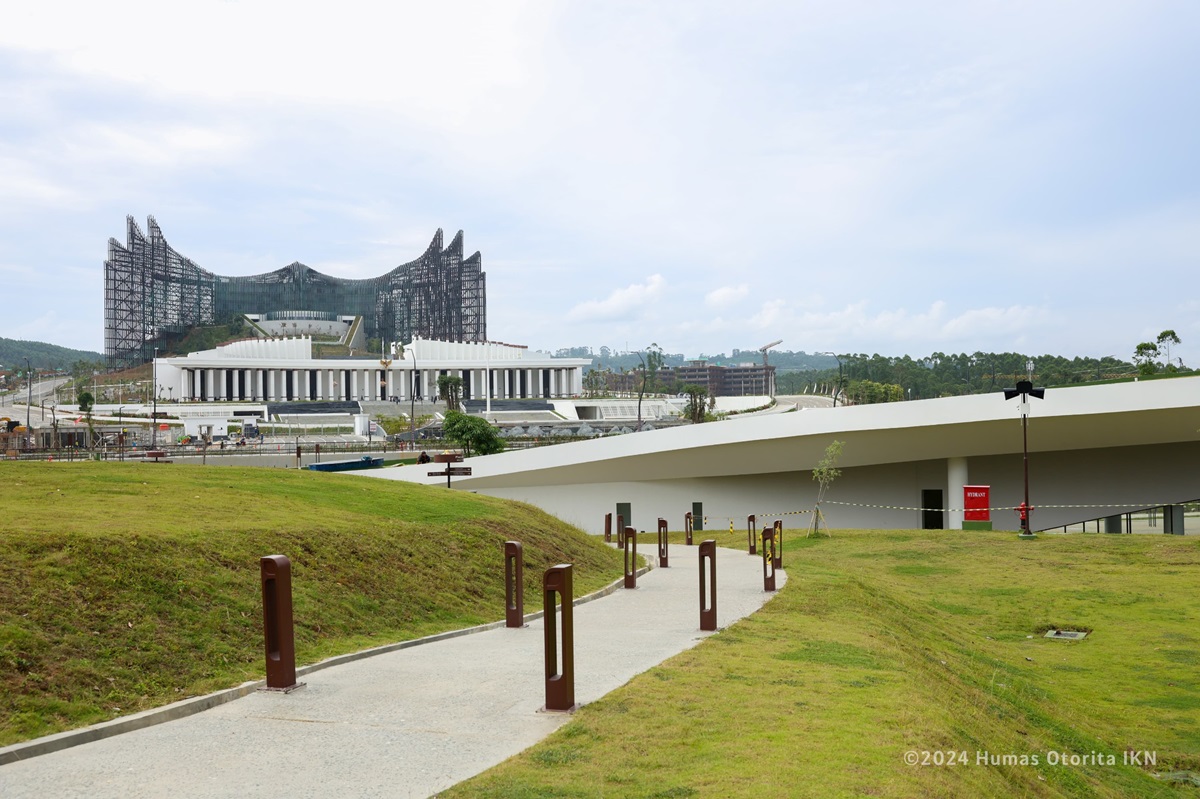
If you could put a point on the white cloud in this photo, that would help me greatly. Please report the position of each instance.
(726, 295)
(623, 303)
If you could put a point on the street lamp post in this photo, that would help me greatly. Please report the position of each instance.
(836, 389)
(154, 404)
(1025, 390)
(121, 433)
(28, 402)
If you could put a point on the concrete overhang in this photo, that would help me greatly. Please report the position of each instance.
(1081, 418)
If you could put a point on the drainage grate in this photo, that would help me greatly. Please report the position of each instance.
(1067, 635)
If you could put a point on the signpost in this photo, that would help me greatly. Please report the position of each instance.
(450, 471)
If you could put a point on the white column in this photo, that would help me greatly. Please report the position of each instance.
(956, 478)
(391, 384)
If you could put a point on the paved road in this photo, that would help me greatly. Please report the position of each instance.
(404, 724)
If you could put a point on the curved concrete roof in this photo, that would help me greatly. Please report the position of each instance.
(1080, 418)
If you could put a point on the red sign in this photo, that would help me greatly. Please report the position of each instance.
(977, 501)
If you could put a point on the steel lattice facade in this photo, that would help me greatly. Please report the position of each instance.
(152, 294)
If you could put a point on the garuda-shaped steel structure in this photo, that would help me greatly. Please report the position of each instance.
(153, 295)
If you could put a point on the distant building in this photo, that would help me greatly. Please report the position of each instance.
(284, 370)
(153, 296)
(719, 381)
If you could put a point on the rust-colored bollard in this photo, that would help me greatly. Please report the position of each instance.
(560, 673)
(630, 546)
(608, 528)
(514, 584)
(687, 527)
(768, 556)
(752, 534)
(662, 544)
(277, 623)
(708, 598)
(620, 531)
(778, 564)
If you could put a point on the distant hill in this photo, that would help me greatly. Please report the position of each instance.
(13, 353)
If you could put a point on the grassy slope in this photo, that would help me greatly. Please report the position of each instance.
(886, 642)
(124, 585)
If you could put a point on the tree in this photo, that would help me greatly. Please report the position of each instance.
(86, 403)
(449, 390)
(1167, 338)
(472, 433)
(825, 473)
(650, 366)
(595, 383)
(1145, 355)
(694, 409)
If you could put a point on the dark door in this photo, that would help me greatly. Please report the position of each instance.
(931, 514)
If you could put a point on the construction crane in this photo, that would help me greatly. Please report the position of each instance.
(767, 387)
(763, 350)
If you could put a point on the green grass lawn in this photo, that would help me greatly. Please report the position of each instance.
(124, 586)
(887, 642)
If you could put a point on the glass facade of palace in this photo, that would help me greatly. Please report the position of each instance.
(153, 295)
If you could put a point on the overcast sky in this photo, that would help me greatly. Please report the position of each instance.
(857, 177)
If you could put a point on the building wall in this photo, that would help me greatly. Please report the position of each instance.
(1106, 482)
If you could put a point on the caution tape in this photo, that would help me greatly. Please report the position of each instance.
(756, 515)
(1146, 506)
(1005, 507)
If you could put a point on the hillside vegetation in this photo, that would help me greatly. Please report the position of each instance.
(13, 353)
(125, 585)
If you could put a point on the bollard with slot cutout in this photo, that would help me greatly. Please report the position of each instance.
(662, 544)
(778, 562)
(708, 593)
(768, 556)
(752, 534)
(687, 527)
(630, 547)
(560, 671)
(276, 572)
(514, 584)
(608, 528)
(620, 531)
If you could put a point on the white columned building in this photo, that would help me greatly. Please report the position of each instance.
(284, 370)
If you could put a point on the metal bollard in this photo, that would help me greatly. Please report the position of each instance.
(560, 674)
(708, 599)
(514, 584)
(778, 564)
(608, 528)
(278, 633)
(630, 545)
(687, 527)
(752, 534)
(768, 556)
(620, 531)
(662, 544)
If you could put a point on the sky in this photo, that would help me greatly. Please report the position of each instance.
(893, 178)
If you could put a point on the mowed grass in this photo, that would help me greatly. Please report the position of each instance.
(125, 586)
(886, 642)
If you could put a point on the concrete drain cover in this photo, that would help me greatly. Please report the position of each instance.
(1067, 635)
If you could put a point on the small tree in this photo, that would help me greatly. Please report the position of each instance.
(694, 409)
(472, 433)
(825, 473)
(86, 403)
(1145, 355)
(449, 390)
(650, 366)
(1166, 339)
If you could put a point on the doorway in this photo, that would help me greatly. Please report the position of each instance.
(932, 517)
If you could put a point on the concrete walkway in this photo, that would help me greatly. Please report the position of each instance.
(407, 723)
